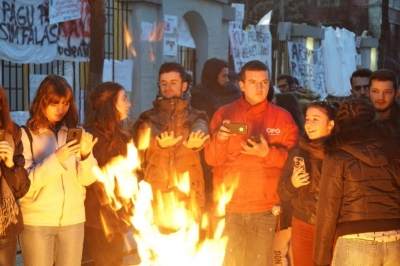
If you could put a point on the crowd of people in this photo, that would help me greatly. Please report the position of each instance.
(315, 182)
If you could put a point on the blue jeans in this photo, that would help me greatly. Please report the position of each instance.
(48, 245)
(250, 237)
(8, 251)
(355, 252)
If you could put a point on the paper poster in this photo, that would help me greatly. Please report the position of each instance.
(61, 10)
(146, 28)
(170, 24)
(122, 72)
(170, 46)
(239, 16)
(74, 36)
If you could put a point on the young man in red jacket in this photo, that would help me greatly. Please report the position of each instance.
(253, 167)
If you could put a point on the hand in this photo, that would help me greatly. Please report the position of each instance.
(223, 133)
(67, 150)
(259, 149)
(196, 140)
(300, 178)
(166, 139)
(87, 144)
(7, 153)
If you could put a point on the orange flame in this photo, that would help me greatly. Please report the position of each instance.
(168, 232)
(129, 41)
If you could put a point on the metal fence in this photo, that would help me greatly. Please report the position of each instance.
(15, 77)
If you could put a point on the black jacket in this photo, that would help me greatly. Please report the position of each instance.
(304, 199)
(359, 189)
(97, 207)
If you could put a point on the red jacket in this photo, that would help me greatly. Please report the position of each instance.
(257, 177)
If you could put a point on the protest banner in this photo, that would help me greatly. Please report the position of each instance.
(25, 33)
(308, 67)
(74, 36)
(247, 45)
(64, 10)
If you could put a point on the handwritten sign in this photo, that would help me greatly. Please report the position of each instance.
(122, 72)
(64, 10)
(25, 33)
(74, 36)
(308, 67)
(248, 45)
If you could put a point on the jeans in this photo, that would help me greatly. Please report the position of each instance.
(8, 251)
(302, 242)
(48, 245)
(250, 237)
(105, 251)
(355, 252)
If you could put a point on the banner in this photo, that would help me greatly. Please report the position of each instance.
(308, 67)
(64, 10)
(25, 33)
(247, 45)
(74, 36)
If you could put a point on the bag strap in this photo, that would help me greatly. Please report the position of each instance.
(28, 133)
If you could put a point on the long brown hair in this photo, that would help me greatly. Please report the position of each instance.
(105, 116)
(53, 89)
(5, 118)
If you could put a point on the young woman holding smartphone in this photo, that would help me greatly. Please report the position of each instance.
(53, 208)
(301, 187)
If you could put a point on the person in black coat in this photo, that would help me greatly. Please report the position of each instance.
(359, 192)
(106, 224)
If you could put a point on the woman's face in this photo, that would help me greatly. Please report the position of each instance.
(55, 112)
(122, 105)
(317, 124)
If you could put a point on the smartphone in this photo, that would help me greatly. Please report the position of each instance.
(74, 133)
(299, 163)
(255, 138)
(237, 128)
(2, 134)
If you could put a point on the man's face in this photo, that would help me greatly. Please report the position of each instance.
(283, 85)
(382, 95)
(255, 86)
(171, 85)
(223, 76)
(359, 87)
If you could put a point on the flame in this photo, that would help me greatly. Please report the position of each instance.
(171, 232)
(129, 41)
(156, 35)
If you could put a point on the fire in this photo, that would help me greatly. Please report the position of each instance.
(129, 41)
(156, 35)
(171, 232)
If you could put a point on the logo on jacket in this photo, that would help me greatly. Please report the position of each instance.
(273, 131)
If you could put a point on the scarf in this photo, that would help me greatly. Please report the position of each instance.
(8, 206)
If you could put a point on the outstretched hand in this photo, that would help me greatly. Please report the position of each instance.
(259, 149)
(196, 140)
(166, 139)
(87, 144)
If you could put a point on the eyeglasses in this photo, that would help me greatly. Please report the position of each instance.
(330, 109)
(358, 88)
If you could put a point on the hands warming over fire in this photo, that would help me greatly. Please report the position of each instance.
(196, 140)
(259, 149)
(87, 143)
(166, 139)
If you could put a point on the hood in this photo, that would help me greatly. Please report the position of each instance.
(211, 70)
(371, 143)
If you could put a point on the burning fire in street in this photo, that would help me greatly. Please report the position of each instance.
(169, 230)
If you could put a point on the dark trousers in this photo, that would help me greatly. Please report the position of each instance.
(105, 251)
(8, 251)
